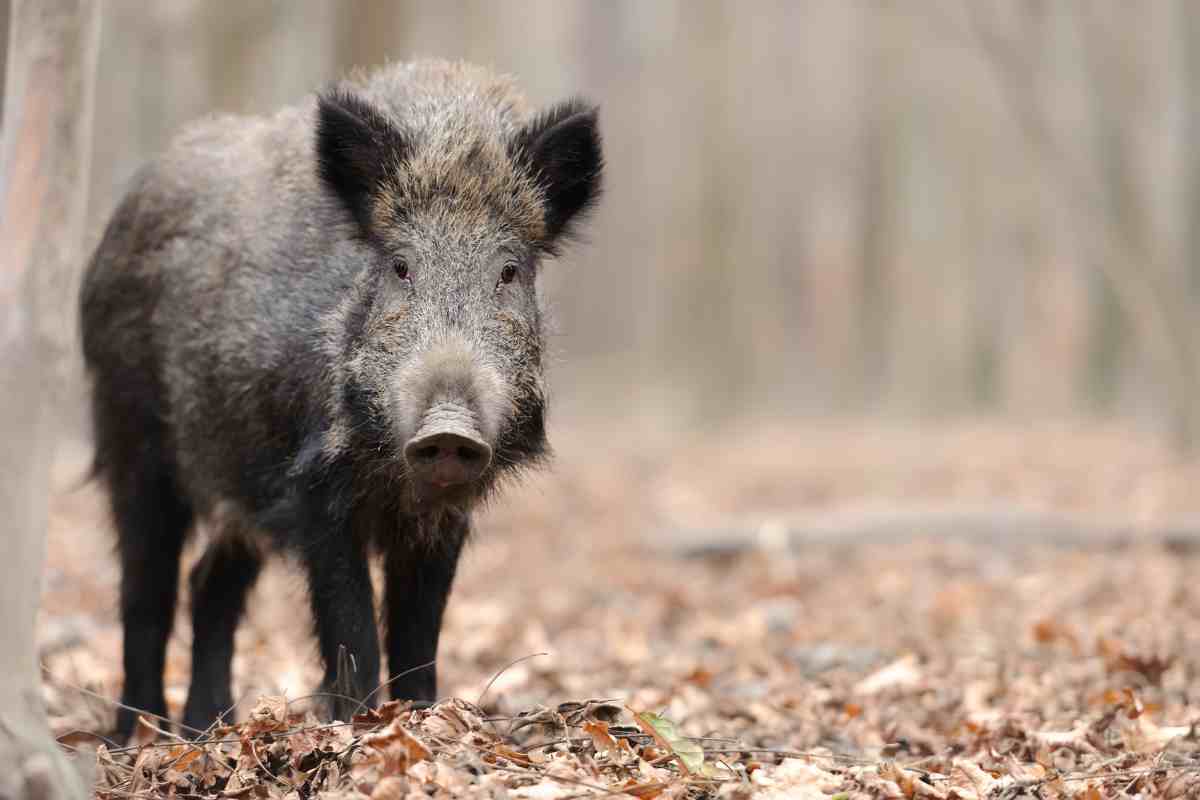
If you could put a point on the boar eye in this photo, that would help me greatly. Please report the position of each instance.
(401, 267)
(508, 273)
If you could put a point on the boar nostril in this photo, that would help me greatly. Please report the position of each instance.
(469, 454)
(427, 453)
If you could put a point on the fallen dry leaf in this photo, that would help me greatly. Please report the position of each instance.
(394, 748)
(903, 673)
(602, 740)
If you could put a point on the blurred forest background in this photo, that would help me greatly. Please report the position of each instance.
(901, 209)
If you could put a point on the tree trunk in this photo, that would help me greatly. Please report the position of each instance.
(47, 105)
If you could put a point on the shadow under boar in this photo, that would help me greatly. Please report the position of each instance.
(318, 332)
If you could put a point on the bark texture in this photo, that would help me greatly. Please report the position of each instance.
(47, 114)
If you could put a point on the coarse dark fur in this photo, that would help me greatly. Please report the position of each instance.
(277, 306)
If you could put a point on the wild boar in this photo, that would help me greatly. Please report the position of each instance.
(319, 333)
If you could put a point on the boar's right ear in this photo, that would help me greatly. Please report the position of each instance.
(354, 143)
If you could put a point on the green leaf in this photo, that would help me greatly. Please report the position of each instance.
(689, 753)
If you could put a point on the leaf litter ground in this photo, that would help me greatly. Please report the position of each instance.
(590, 651)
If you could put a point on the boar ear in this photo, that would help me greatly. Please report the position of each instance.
(562, 147)
(354, 143)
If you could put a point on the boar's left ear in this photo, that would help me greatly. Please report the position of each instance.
(562, 147)
(354, 143)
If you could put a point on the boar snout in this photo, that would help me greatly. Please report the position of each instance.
(448, 451)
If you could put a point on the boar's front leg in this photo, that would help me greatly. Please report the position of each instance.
(339, 583)
(419, 576)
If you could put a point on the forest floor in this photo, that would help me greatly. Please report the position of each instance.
(980, 610)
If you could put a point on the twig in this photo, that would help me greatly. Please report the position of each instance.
(81, 732)
(389, 682)
(806, 754)
(118, 704)
(178, 739)
(311, 695)
(504, 669)
(233, 740)
(220, 720)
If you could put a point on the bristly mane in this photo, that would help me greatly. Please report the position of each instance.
(457, 122)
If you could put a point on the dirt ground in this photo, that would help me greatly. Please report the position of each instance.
(819, 610)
